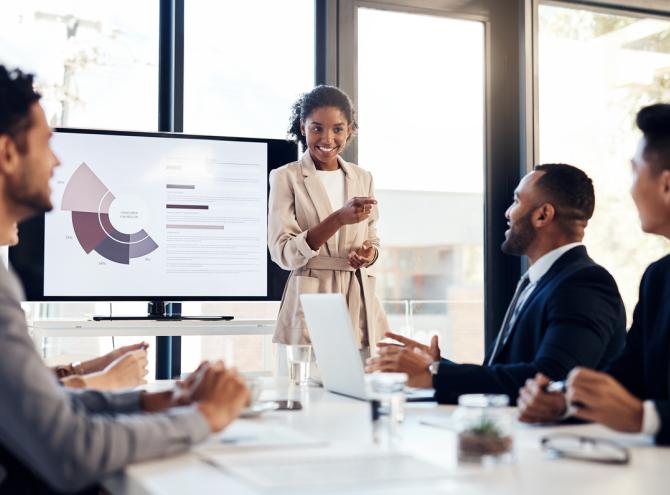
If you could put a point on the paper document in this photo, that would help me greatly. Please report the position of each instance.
(310, 472)
(444, 421)
(251, 435)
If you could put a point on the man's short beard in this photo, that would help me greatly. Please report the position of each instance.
(521, 236)
(32, 203)
(36, 204)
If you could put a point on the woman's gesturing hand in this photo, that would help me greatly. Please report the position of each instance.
(356, 210)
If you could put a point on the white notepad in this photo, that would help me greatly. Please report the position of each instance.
(246, 435)
(307, 472)
(444, 421)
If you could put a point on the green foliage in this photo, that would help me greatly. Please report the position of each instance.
(486, 427)
(581, 24)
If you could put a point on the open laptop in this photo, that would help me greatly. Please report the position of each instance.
(337, 355)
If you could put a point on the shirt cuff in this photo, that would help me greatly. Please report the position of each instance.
(302, 246)
(651, 422)
(192, 421)
(125, 402)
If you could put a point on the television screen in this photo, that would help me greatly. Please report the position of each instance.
(141, 216)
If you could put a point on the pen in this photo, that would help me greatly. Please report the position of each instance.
(561, 387)
(557, 386)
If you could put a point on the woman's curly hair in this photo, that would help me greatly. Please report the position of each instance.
(319, 97)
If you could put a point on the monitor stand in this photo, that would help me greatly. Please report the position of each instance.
(160, 311)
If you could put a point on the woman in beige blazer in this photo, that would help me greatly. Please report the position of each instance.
(321, 220)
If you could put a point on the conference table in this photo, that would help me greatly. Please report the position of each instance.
(327, 447)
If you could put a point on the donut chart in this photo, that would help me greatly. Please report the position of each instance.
(89, 200)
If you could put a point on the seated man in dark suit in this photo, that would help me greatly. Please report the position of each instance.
(566, 311)
(633, 394)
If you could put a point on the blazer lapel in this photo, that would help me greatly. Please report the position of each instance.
(317, 194)
(569, 257)
(348, 233)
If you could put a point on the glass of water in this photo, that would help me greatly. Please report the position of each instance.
(299, 359)
(387, 392)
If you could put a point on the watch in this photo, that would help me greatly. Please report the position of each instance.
(433, 367)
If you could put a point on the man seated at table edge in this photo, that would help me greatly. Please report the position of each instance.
(566, 312)
(633, 394)
(54, 438)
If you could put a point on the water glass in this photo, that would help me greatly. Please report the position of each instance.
(299, 358)
(387, 394)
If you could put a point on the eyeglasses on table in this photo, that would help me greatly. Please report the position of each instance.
(583, 448)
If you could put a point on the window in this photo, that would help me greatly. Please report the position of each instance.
(97, 66)
(96, 62)
(426, 153)
(245, 64)
(596, 70)
(248, 353)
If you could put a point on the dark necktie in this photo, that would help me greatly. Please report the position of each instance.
(510, 317)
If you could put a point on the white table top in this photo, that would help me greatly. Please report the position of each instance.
(346, 427)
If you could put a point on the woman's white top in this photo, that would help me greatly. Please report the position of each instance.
(333, 183)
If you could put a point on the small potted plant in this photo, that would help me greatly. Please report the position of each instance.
(484, 429)
(483, 439)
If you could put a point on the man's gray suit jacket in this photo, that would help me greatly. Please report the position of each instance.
(72, 438)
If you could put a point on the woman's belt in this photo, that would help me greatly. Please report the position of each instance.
(329, 263)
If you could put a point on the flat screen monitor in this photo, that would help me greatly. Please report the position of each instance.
(153, 216)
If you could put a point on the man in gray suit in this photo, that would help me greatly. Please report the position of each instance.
(64, 440)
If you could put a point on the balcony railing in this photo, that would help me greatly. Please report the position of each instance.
(458, 323)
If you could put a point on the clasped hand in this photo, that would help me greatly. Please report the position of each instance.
(592, 395)
(219, 392)
(125, 367)
(362, 256)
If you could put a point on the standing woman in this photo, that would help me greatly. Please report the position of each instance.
(322, 221)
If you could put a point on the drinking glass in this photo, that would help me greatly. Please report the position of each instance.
(299, 358)
(386, 392)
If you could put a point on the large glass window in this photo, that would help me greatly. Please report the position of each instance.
(97, 66)
(421, 112)
(96, 62)
(595, 72)
(245, 64)
(248, 353)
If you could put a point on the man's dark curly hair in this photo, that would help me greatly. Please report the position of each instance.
(16, 97)
(570, 190)
(319, 97)
(654, 122)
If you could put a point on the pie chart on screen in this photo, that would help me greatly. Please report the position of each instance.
(93, 208)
